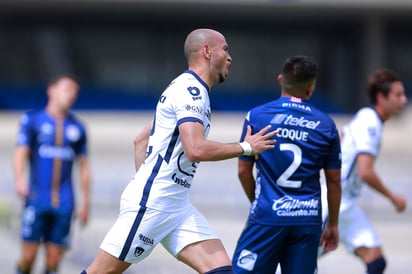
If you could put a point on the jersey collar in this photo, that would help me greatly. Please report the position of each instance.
(198, 78)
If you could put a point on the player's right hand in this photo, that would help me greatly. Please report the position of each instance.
(22, 189)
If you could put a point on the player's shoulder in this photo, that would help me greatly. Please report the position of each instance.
(186, 80)
(31, 115)
(74, 118)
(367, 115)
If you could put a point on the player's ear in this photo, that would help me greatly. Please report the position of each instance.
(280, 79)
(310, 89)
(206, 51)
(380, 97)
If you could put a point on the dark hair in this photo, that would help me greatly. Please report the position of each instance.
(56, 78)
(380, 81)
(298, 70)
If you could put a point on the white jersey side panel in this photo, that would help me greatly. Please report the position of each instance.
(362, 135)
(164, 179)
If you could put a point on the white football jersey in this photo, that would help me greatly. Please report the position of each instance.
(164, 179)
(362, 135)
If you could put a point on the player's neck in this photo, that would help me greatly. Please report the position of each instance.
(384, 115)
(203, 74)
(56, 113)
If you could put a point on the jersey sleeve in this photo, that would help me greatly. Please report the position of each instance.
(188, 109)
(366, 133)
(83, 151)
(246, 123)
(25, 134)
(335, 156)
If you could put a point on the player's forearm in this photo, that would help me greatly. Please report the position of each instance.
(85, 181)
(140, 145)
(248, 185)
(374, 182)
(213, 151)
(247, 179)
(20, 158)
(334, 197)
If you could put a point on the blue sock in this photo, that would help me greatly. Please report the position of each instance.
(376, 267)
(20, 271)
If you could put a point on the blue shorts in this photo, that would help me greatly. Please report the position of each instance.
(261, 247)
(46, 225)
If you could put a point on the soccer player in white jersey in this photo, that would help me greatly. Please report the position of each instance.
(155, 207)
(361, 140)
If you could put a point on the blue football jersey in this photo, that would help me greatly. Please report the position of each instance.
(288, 190)
(54, 144)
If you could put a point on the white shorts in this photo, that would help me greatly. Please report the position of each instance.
(138, 230)
(356, 230)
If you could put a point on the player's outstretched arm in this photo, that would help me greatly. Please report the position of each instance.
(367, 174)
(197, 148)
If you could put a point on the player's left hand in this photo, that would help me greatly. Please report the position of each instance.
(83, 215)
(329, 239)
(399, 202)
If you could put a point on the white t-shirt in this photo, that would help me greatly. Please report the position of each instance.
(164, 179)
(362, 135)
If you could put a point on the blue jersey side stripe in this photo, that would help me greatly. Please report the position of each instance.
(142, 210)
(172, 144)
(149, 183)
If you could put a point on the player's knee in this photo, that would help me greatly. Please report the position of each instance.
(222, 270)
(377, 266)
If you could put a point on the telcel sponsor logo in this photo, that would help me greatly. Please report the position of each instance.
(294, 121)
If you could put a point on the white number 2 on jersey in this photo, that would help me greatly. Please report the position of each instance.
(283, 179)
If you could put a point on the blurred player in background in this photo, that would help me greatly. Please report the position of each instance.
(155, 206)
(361, 141)
(284, 225)
(50, 140)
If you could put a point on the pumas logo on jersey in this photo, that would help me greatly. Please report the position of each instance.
(294, 121)
(247, 260)
(138, 251)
